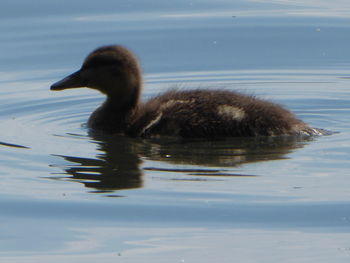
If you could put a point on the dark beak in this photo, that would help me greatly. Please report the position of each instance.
(72, 81)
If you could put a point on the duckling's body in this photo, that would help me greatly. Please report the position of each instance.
(209, 113)
(114, 71)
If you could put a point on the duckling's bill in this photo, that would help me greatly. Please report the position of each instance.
(72, 81)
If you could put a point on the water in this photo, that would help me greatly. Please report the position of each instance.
(67, 196)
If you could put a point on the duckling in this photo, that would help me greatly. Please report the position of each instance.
(115, 72)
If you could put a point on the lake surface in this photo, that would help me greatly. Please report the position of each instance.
(67, 196)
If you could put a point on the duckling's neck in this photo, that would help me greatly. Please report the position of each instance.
(114, 115)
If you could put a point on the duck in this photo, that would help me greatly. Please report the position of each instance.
(199, 113)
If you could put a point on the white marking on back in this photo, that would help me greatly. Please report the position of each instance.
(171, 103)
(231, 112)
(152, 123)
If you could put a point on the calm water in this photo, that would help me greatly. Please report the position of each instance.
(66, 196)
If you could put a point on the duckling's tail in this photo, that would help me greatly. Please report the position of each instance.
(309, 131)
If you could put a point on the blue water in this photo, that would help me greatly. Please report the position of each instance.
(68, 196)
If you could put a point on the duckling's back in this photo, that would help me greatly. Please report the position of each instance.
(215, 114)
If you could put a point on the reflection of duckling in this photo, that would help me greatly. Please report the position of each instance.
(117, 166)
(114, 71)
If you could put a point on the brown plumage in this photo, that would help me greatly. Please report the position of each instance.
(114, 71)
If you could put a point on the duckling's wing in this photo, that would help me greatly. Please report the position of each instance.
(156, 118)
(195, 113)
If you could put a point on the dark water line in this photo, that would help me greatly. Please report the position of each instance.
(13, 145)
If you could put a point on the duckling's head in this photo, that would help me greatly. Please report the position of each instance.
(113, 70)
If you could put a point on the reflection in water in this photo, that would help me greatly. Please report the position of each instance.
(220, 153)
(116, 167)
(118, 164)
